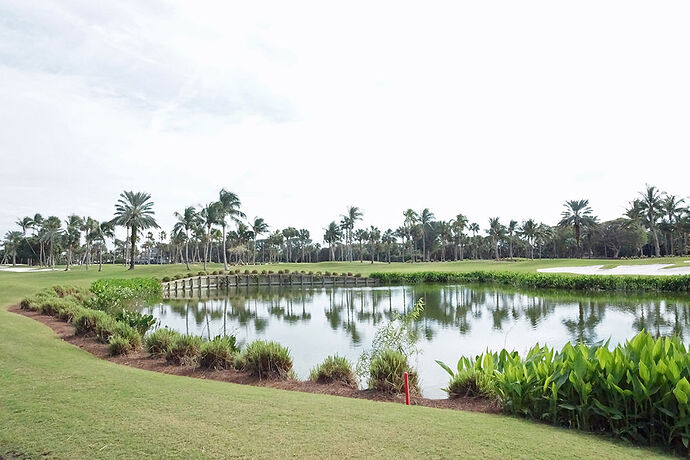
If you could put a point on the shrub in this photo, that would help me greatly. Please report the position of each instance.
(387, 372)
(142, 323)
(286, 271)
(280, 272)
(130, 334)
(638, 391)
(672, 283)
(95, 322)
(214, 272)
(160, 340)
(185, 350)
(70, 311)
(254, 272)
(263, 272)
(115, 294)
(267, 360)
(270, 272)
(219, 353)
(118, 346)
(166, 279)
(469, 380)
(334, 369)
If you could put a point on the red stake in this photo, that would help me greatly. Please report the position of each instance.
(407, 389)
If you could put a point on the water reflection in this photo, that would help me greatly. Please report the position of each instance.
(458, 319)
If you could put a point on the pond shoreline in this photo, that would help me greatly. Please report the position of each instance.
(145, 361)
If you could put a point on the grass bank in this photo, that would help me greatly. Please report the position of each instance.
(58, 400)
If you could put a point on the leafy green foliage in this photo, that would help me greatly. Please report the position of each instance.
(397, 335)
(469, 380)
(128, 333)
(118, 346)
(137, 320)
(185, 350)
(638, 391)
(160, 340)
(334, 369)
(673, 283)
(113, 295)
(387, 372)
(267, 360)
(219, 353)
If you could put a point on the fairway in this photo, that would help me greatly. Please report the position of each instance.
(59, 401)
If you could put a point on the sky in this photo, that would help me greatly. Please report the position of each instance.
(497, 108)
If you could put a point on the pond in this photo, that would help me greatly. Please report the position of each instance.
(457, 320)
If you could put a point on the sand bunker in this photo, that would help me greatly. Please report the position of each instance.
(4, 268)
(648, 269)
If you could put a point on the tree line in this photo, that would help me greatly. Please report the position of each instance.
(654, 224)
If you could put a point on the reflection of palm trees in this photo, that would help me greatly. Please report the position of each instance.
(582, 330)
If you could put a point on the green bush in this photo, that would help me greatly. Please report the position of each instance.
(387, 372)
(130, 334)
(185, 350)
(95, 322)
(672, 283)
(219, 353)
(267, 360)
(639, 391)
(468, 380)
(160, 340)
(118, 346)
(139, 321)
(334, 369)
(165, 279)
(70, 311)
(112, 295)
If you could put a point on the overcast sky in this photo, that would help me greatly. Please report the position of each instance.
(497, 108)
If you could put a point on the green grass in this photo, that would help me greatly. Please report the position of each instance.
(58, 400)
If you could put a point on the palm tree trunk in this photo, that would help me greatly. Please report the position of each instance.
(134, 247)
(657, 249)
(186, 253)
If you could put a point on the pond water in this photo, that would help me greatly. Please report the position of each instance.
(457, 320)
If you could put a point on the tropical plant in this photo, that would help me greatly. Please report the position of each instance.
(135, 212)
(334, 369)
(577, 214)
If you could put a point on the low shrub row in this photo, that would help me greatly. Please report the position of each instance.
(166, 279)
(639, 391)
(673, 283)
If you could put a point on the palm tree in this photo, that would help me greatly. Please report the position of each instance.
(27, 223)
(577, 214)
(651, 207)
(186, 222)
(259, 227)
(102, 231)
(425, 219)
(332, 235)
(673, 208)
(388, 239)
(230, 207)
(51, 229)
(512, 229)
(210, 215)
(529, 231)
(497, 232)
(11, 244)
(350, 218)
(74, 225)
(374, 236)
(89, 227)
(135, 211)
(361, 235)
(474, 228)
(411, 219)
(458, 226)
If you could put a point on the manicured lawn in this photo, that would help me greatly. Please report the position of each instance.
(59, 400)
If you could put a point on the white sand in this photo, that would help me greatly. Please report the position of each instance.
(648, 269)
(18, 269)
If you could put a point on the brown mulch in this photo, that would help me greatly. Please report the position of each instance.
(143, 360)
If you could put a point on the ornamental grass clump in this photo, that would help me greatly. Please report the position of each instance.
(96, 323)
(387, 372)
(469, 379)
(159, 341)
(185, 350)
(267, 360)
(334, 369)
(118, 346)
(219, 353)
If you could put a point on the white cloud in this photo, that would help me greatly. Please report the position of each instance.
(488, 109)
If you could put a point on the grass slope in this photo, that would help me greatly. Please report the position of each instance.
(58, 400)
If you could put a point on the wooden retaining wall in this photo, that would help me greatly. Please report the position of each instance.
(246, 280)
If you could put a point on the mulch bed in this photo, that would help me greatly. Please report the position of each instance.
(143, 360)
